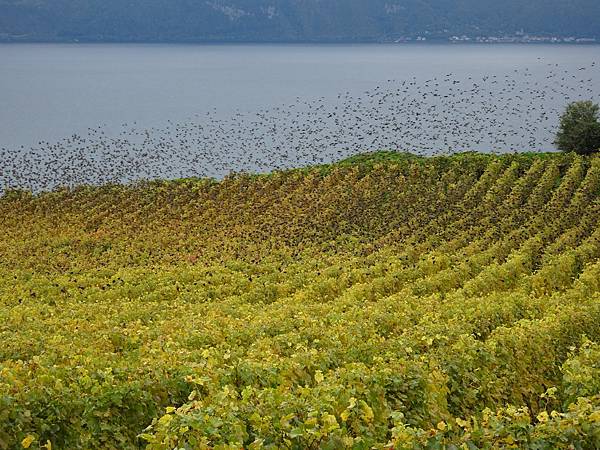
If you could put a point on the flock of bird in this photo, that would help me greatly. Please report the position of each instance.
(514, 111)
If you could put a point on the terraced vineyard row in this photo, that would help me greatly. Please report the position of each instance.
(387, 301)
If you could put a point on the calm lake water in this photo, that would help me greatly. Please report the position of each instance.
(219, 99)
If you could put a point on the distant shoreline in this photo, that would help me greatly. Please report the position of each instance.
(303, 42)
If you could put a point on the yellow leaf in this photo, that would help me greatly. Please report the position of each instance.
(330, 422)
(165, 420)
(311, 422)
(368, 414)
(26, 443)
(319, 376)
(352, 403)
(285, 420)
(461, 423)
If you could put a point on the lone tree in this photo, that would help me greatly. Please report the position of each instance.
(579, 129)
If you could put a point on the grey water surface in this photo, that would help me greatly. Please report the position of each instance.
(92, 113)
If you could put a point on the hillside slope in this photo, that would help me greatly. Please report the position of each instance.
(385, 301)
(291, 20)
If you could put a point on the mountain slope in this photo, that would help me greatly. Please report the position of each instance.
(291, 20)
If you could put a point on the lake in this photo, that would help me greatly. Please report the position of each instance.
(122, 112)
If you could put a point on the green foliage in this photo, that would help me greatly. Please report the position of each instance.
(579, 130)
(383, 302)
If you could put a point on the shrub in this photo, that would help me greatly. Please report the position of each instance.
(579, 129)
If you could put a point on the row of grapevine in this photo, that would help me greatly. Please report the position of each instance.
(449, 302)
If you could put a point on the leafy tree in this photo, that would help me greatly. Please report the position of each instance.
(579, 128)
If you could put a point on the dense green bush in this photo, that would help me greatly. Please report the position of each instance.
(579, 128)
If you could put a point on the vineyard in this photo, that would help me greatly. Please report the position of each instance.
(387, 301)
